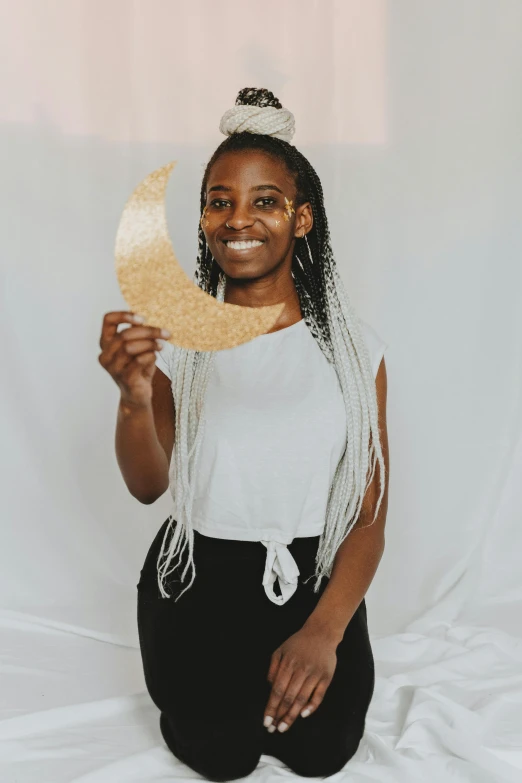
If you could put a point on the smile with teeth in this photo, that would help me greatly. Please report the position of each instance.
(244, 244)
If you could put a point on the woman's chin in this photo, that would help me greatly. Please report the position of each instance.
(240, 270)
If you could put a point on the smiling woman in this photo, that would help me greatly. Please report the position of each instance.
(241, 224)
(278, 470)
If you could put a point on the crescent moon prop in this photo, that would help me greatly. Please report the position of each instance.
(154, 284)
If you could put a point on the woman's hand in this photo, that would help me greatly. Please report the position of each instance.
(301, 670)
(129, 356)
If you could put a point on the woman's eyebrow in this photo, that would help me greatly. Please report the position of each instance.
(267, 187)
(256, 187)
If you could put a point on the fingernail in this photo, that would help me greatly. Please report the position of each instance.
(305, 713)
(271, 729)
(165, 333)
(268, 720)
(282, 727)
(138, 318)
(160, 343)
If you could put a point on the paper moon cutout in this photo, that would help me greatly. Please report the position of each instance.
(154, 284)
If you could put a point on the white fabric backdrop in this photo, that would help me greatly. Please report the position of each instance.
(411, 112)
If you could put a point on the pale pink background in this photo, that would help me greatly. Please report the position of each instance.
(156, 71)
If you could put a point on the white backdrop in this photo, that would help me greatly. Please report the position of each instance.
(411, 112)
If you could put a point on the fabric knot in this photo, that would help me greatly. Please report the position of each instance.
(279, 565)
(258, 119)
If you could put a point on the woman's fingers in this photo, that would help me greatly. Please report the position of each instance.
(301, 696)
(280, 674)
(317, 697)
(110, 324)
(140, 351)
(119, 348)
(274, 665)
(299, 692)
(129, 355)
(291, 693)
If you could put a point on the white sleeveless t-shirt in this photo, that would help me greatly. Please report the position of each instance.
(275, 431)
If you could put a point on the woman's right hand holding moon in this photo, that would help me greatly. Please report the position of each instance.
(129, 355)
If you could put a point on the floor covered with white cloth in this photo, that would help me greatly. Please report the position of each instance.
(447, 705)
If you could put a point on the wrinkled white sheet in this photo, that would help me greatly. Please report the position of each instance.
(447, 706)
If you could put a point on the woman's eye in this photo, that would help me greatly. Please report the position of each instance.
(220, 203)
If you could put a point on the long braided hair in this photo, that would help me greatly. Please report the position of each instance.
(332, 321)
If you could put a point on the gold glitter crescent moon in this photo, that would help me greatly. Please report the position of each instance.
(154, 285)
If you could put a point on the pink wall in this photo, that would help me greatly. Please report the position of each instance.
(155, 71)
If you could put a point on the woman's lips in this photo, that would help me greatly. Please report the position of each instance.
(242, 248)
(243, 244)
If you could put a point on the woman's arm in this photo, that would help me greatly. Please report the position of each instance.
(144, 441)
(302, 668)
(359, 555)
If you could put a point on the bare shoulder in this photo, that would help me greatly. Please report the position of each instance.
(164, 411)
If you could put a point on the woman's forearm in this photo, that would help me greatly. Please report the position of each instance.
(354, 567)
(141, 458)
(360, 553)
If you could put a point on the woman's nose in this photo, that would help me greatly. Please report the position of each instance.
(240, 217)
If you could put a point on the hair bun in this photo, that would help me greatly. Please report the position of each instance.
(258, 111)
(253, 96)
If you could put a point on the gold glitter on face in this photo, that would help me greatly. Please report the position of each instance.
(289, 209)
(154, 284)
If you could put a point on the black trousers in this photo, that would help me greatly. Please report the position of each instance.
(206, 658)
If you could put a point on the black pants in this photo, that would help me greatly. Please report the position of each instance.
(206, 658)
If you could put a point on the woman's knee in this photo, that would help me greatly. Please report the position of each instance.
(221, 768)
(319, 768)
(324, 759)
(217, 753)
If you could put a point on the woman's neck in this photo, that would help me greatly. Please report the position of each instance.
(261, 292)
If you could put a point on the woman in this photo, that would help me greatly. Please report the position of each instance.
(278, 477)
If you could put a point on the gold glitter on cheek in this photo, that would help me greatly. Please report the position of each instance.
(289, 209)
(154, 284)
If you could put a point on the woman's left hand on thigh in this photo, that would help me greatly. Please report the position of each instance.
(301, 670)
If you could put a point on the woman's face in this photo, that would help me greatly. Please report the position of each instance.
(247, 190)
